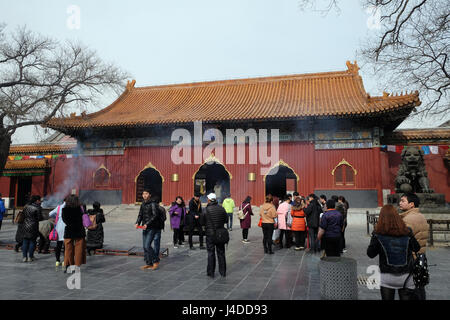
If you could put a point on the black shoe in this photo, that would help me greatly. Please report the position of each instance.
(270, 251)
(202, 247)
(192, 248)
(211, 276)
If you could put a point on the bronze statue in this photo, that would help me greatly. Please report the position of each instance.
(412, 175)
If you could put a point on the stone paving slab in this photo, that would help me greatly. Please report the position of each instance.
(251, 275)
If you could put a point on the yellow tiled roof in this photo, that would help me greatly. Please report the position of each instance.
(327, 94)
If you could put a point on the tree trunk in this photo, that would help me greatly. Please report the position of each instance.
(5, 142)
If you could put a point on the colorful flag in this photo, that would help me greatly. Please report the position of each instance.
(69, 156)
(434, 149)
(40, 157)
(55, 156)
(398, 149)
(26, 157)
(18, 158)
(426, 149)
(391, 148)
(48, 156)
(33, 157)
(11, 158)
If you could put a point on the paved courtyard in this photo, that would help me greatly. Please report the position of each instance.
(252, 275)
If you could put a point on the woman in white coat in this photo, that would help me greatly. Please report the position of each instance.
(59, 227)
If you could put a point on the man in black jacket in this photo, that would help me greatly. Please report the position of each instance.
(193, 218)
(216, 217)
(152, 223)
(313, 211)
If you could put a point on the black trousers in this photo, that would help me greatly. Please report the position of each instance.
(288, 234)
(59, 246)
(389, 294)
(300, 238)
(313, 242)
(267, 229)
(245, 234)
(192, 226)
(178, 236)
(211, 248)
(343, 239)
(332, 246)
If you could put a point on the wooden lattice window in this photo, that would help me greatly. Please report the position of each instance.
(344, 174)
(101, 177)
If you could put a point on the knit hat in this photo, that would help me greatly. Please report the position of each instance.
(212, 196)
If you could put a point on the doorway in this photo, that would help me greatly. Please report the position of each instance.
(212, 178)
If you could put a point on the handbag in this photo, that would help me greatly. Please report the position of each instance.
(421, 277)
(86, 221)
(53, 236)
(241, 214)
(260, 222)
(275, 225)
(289, 219)
(19, 218)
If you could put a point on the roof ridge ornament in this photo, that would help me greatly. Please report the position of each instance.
(352, 67)
(130, 85)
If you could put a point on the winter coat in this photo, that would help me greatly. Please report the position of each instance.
(45, 227)
(342, 208)
(32, 216)
(398, 250)
(195, 209)
(298, 219)
(73, 218)
(177, 214)
(283, 209)
(419, 225)
(215, 216)
(247, 221)
(268, 213)
(19, 233)
(149, 215)
(312, 213)
(2, 209)
(95, 237)
(60, 225)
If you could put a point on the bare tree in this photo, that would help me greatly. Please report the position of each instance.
(410, 49)
(41, 78)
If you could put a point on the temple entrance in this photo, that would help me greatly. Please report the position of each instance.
(212, 177)
(23, 190)
(282, 182)
(151, 179)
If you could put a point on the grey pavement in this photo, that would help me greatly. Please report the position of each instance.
(251, 274)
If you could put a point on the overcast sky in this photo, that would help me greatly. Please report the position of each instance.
(176, 41)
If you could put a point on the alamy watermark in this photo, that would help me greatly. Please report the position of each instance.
(73, 21)
(374, 280)
(74, 281)
(257, 146)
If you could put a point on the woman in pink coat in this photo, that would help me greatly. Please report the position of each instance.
(283, 209)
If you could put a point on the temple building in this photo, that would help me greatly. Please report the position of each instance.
(325, 134)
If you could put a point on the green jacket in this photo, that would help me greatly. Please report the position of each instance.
(228, 205)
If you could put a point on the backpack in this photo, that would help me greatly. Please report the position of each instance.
(241, 214)
(161, 212)
(93, 218)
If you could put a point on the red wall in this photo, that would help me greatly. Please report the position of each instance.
(375, 170)
(313, 168)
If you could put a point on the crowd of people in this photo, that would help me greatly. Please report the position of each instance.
(315, 224)
(66, 226)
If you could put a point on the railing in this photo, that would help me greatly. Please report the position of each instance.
(433, 230)
(372, 219)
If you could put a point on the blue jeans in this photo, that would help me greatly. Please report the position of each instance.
(28, 246)
(151, 254)
(230, 220)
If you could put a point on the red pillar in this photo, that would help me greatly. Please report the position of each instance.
(377, 171)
